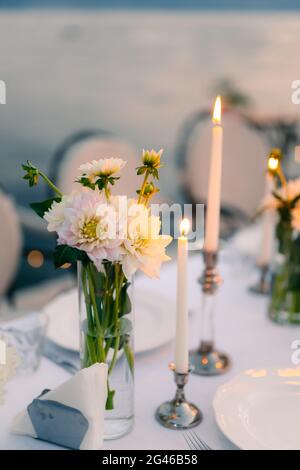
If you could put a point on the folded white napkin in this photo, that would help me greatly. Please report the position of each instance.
(86, 391)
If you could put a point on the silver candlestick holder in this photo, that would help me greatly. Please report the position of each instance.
(178, 413)
(263, 285)
(206, 359)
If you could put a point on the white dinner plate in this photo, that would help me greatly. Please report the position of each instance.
(260, 409)
(154, 320)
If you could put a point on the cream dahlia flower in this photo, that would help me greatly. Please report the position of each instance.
(55, 216)
(144, 247)
(103, 167)
(90, 225)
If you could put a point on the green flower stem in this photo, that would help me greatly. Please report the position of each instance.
(285, 289)
(141, 194)
(49, 182)
(87, 301)
(99, 332)
(107, 192)
(114, 358)
(118, 279)
(105, 308)
(93, 299)
(106, 303)
(89, 338)
(107, 346)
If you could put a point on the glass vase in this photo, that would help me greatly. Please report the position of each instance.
(284, 307)
(106, 335)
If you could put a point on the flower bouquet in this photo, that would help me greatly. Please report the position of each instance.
(9, 362)
(110, 237)
(285, 200)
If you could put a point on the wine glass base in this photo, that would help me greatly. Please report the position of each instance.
(178, 415)
(209, 362)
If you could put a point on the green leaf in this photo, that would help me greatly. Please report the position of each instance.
(67, 254)
(31, 173)
(125, 303)
(109, 272)
(294, 282)
(85, 182)
(285, 215)
(101, 182)
(41, 207)
(124, 326)
(278, 197)
(112, 179)
(294, 201)
(141, 170)
(284, 231)
(295, 251)
(98, 279)
(154, 173)
(130, 356)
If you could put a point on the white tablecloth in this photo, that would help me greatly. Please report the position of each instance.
(242, 330)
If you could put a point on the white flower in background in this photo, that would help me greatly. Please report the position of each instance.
(143, 248)
(292, 189)
(103, 167)
(120, 205)
(8, 369)
(90, 224)
(286, 193)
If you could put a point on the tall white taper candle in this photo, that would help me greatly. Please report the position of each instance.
(182, 335)
(212, 220)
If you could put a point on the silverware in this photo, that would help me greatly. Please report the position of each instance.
(194, 442)
(62, 363)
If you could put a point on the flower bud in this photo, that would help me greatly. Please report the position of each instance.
(149, 189)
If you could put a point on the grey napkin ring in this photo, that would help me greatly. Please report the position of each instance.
(57, 423)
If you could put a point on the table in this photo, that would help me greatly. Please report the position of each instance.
(242, 330)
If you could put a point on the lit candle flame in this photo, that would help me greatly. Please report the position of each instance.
(273, 163)
(184, 227)
(217, 111)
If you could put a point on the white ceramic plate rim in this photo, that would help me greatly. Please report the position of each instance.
(238, 435)
(164, 332)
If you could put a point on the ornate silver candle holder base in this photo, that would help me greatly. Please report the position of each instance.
(178, 413)
(206, 361)
(263, 285)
